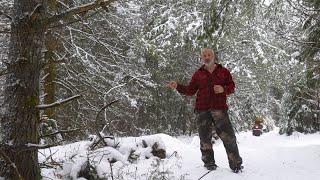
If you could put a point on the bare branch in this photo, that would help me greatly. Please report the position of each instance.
(123, 84)
(10, 163)
(302, 10)
(77, 19)
(26, 147)
(100, 138)
(104, 107)
(5, 27)
(78, 10)
(6, 15)
(5, 32)
(58, 103)
(59, 132)
(37, 11)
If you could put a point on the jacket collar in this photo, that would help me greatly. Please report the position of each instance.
(203, 69)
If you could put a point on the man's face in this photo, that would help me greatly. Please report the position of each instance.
(207, 57)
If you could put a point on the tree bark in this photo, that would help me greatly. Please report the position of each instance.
(50, 71)
(20, 117)
(19, 114)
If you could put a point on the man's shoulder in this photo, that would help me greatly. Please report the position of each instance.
(222, 68)
(200, 70)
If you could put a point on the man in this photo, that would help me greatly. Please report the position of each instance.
(212, 83)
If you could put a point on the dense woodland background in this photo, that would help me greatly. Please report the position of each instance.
(128, 50)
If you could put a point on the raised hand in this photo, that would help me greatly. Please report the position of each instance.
(172, 85)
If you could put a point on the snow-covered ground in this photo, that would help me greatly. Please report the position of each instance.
(270, 156)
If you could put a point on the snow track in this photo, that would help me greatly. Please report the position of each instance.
(270, 156)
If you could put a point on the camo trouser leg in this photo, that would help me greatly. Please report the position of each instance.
(225, 131)
(205, 126)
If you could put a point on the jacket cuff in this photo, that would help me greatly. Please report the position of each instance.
(179, 88)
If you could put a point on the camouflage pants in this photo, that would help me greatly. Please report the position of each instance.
(218, 119)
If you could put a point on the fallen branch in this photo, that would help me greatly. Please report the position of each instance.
(100, 138)
(205, 174)
(49, 157)
(111, 170)
(58, 103)
(52, 164)
(174, 153)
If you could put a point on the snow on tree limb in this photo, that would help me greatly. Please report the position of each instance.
(60, 132)
(57, 103)
(26, 147)
(78, 10)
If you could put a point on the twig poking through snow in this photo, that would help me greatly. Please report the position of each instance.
(205, 174)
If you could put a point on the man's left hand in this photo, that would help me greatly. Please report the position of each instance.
(218, 89)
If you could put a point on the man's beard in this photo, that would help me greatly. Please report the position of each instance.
(208, 63)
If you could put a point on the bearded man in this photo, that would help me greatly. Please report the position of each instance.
(212, 83)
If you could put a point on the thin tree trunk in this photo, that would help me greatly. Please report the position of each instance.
(50, 71)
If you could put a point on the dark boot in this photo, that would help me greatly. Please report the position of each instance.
(211, 166)
(208, 159)
(237, 169)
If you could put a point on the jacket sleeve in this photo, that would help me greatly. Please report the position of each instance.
(190, 89)
(229, 85)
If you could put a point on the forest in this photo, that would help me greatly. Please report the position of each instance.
(100, 67)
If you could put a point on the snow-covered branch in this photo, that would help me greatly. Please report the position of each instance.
(123, 84)
(60, 132)
(58, 103)
(78, 10)
(25, 147)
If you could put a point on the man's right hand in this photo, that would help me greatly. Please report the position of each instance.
(172, 85)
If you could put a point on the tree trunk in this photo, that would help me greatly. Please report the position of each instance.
(19, 114)
(50, 72)
(20, 117)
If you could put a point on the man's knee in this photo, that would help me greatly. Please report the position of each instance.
(204, 123)
(205, 145)
(218, 114)
(228, 138)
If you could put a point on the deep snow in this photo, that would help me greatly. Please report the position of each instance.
(270, 156)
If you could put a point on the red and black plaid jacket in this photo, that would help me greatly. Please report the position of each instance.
(202, 83)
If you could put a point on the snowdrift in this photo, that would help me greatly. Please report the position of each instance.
(270, 156)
